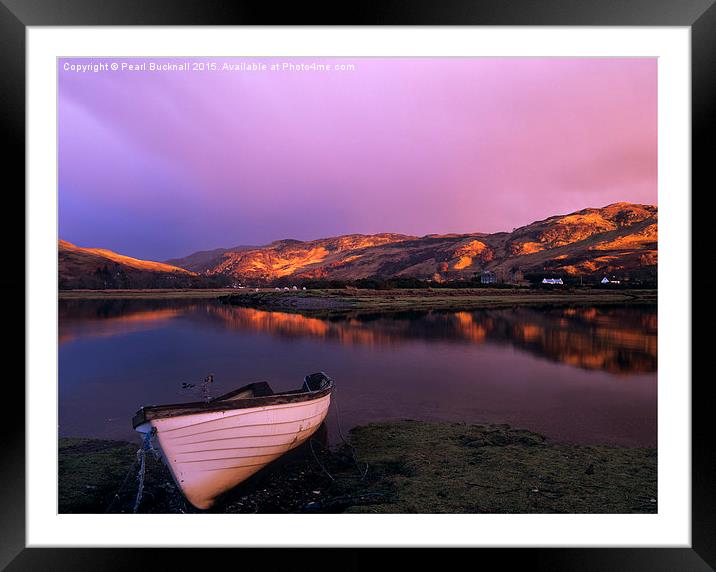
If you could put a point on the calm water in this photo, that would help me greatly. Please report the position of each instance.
(583, 375)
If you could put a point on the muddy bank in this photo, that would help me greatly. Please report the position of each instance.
(328, 302)
(145, 294)
(407, 466)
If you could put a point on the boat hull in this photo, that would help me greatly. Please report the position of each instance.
(210, 453)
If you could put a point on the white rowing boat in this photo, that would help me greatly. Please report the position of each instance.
(210, 447)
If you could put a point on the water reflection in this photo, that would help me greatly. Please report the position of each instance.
(584, 375)
(617, 340)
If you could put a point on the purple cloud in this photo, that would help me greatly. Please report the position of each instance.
(157, 165)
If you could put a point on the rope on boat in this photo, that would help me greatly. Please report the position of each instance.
(362, 471)
(119, 490)
(337, 415)
(157, 454)
(146, 443)
(323, 467)
(141, 457)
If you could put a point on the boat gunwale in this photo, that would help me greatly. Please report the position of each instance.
(151, 412)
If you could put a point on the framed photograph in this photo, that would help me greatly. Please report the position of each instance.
(392, 277)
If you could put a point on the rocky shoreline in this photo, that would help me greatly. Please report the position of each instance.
(396, 467)
(341, 301)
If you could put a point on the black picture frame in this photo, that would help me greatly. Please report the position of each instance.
(17, 15)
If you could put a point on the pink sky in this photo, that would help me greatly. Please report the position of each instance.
(157, 165)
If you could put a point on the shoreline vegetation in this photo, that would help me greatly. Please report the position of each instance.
(390, 467)
(330, 301)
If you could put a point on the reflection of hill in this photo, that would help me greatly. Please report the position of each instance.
(100, 318)
(617, 340)
(348, 331)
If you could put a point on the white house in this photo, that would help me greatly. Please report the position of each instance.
(552, 281)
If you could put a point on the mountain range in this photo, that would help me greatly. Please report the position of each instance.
(619, 239)
(98, 268)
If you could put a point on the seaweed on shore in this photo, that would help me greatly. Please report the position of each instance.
(460, 468)
(330, 303)
(403, 467)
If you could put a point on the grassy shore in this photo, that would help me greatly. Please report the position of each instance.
(349, 300)
(403, 467)
(352, 299)
(140, 294)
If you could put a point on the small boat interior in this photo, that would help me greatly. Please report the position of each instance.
(252, 395)
(312, 382)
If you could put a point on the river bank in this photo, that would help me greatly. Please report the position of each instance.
(345, 300)
(396, 467)
(145, 294)
(320, 302)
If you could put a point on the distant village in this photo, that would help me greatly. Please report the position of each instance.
(518, 278)
(481, 279)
